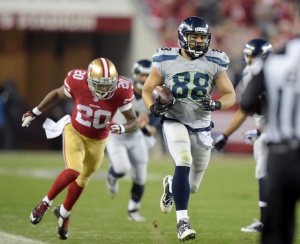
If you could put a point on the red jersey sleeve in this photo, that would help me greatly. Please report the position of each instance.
(124, 93)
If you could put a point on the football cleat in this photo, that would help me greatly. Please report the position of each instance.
(256, 226)
(112, 185)
(185, 232)
(166, 201)
(38, 213)
(134, 215)
(63, 223)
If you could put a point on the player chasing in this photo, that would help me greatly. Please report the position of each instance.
(253, 50)
(98, 92)
(191, 72)
(128, 153)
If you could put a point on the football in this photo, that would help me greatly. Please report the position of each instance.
(164, 93)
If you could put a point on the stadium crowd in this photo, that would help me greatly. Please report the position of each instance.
(232, 22)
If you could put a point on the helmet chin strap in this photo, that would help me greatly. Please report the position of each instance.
(192, 55)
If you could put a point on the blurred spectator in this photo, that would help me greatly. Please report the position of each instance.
(13, 108)
(210, 11)
(233, 23)
(1, 108)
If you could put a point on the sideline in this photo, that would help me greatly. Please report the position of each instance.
(14, 239)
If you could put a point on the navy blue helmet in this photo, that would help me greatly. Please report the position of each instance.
(256, 48)
(142, 66)
(194, 25)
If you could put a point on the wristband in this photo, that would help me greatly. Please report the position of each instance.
(218, 105)
(146, 130)
(36, 111)
(122, 129)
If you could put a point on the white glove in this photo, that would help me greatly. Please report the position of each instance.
(29, 116)
(115, 128)
(250, 136)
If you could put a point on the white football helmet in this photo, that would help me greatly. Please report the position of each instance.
(102, 78)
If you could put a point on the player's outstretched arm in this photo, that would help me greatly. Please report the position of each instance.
(50, 99)
(237, 120)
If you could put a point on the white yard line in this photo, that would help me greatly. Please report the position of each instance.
(14, 239)
(51, 174)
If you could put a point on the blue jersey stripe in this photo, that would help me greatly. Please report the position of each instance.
(162, 58)
(217, 61)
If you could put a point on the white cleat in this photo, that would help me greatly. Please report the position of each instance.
(255, 227)
(112, 185)
(185, 232)
(166, 201)
(134, 215)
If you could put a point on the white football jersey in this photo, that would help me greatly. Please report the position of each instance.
(189, 80)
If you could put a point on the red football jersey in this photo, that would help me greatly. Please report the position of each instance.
(90, 115)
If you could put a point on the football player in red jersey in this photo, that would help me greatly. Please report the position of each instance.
(98, 92)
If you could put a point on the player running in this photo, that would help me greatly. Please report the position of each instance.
(253, 50)
(191, 72)
(98, 92)
(128, 153)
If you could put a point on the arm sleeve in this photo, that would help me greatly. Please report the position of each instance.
(251, 98)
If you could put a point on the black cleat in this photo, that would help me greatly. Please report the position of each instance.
(38, 213)
(63, 223)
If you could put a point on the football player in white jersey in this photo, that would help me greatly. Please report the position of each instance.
(253, 50)
(191, 72)
(128, 153)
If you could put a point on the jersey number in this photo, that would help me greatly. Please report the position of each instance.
(101, 117)
(187, 85)
(79, 74)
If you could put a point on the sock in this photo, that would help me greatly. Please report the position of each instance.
(132, 205)
(263, 211)
(181, 187)
(181, 214)
(61, 182)
(46, 199)
(114, 173)
(63, 212)
(74, 192)
(262, 198)
(137, 192)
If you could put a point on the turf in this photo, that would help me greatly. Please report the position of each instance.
(227, 200)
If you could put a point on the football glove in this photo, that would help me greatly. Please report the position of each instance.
(209, 105)
(115, 128)
(157, 109)
(27, 118)
(250, 136)
(220, 142)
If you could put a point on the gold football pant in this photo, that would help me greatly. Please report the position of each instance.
(82, 154)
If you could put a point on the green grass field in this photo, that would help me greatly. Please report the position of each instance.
(227, 200)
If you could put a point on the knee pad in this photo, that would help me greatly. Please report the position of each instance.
(184, 158)
(83, 181)
(193, 189)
